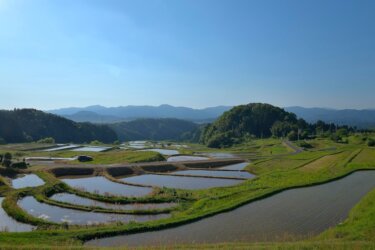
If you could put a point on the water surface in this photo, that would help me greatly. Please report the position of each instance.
(219, 155)
(299, 212)
(186, 158)
(180, 182)
(29, 180)
(61, 148)
(238, 166)
(91, 149)
(103, 186)
(78, 200)
(76, 217)
(215, 173)
(8, 224)
(163, 151)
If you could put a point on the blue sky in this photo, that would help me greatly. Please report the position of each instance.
(62, 53)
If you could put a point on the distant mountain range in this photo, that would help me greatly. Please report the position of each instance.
(360, 118)
(99, 114)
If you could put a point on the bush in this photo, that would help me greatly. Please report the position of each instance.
(46, 140)
(96, 142)
(20, 165)
(7, 160)
(292, 136)
(304, 144)
(371, 142)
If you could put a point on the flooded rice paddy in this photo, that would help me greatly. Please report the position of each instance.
(216, 173)
(77, 200)
(299, 212)
(29, 180)
(219, 155)
(186, 158)
(65, 147)
(238, 166)
(103, 186)
(180, 182)
(76, 217)
(163, 151)
(8, 224)
(91, 149)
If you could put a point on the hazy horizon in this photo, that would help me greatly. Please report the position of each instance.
(65, 53)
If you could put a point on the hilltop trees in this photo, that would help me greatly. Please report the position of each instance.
(26, 125)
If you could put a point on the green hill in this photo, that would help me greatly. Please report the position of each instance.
(24, 125)
(251, 120)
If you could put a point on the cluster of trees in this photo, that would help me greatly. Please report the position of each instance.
(246, 121)
(26, 125)
(155, 129)
(6, 161)
(258, 120)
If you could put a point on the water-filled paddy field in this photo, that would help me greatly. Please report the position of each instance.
(297, 212)
(101, 185)
(186, 158)
(181, 182)
(8, 224)
(81, 201)
(162, 151)
(29, 180)
(63, 215)
(216, 173)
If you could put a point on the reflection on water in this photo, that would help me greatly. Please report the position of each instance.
(8, 224)
(70, 216)
(30, 180)
(299, 212)
(238, 166)
(103, 186)
(162, 151)
(77, 200)
(180, 182)
(186, 158)
(215, 173)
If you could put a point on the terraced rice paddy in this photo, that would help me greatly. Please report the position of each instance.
(65, 147)
(186, 158)
(216, 173)
(238, 166)
(101, 185)
(91, 149)
(287, 214)
(29, 180)
(8, 224)
(163, 151)
(180, 182)
(81, 201)
(76, 217)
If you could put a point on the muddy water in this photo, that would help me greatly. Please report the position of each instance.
(181, 182)
(30, 180)
(215, 173)
(299, 212)
(8, 224)
(76, 217)
(238, 166)
(186, 158)
(101, 185)
(77, 200)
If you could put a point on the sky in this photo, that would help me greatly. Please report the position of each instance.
(195, 53)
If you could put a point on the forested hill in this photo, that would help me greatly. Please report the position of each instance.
(155, 129)
(23, 125)
(255, 119)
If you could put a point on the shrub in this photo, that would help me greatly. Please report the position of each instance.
(47, 140)
(96, 142)
(7, 160)
(20, 165)
(292, 136)
(371, 142)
